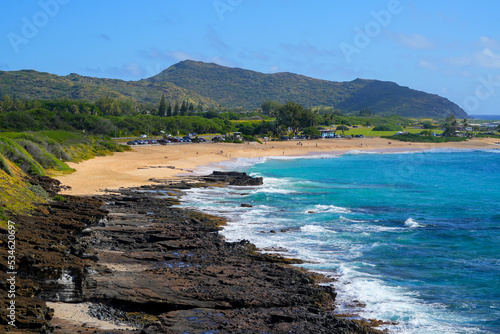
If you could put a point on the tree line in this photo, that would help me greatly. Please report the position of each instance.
(110, 116)
(183, 109)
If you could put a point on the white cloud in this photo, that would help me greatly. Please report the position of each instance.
(425, 64)
(274, 69)
(490, 43)
(414, 41)
(128, 70)
(485, 58)
(134, 69)
(175, 56)
(179, 55)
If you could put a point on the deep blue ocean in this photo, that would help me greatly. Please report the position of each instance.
(412, 238)
(486, 117)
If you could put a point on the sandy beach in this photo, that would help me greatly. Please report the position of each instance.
(138, 167)
(144, 163)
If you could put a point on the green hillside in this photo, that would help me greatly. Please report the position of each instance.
(33, 85)
(25, 157)
(212, 84)
(235, 87)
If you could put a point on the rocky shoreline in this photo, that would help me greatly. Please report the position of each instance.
(139, 261)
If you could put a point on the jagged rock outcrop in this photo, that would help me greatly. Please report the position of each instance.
(233, 178)
(49, 265)
(140, 260)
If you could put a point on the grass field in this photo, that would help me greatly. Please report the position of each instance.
(368, 132)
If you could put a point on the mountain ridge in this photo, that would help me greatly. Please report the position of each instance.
(236, 87)
(232, 87)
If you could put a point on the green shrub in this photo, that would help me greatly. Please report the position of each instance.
(18, 155)
(59, 198)
(108, 145)
(66, 137)
(416, 138)
(57, 150)
(44, 158)
(388, 127)
(38, 190)
(428, 125)
(4, 165)
(313, 131)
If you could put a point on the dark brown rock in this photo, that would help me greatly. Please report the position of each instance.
(233, 178)
(167, 269)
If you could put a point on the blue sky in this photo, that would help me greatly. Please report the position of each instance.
(440, 47)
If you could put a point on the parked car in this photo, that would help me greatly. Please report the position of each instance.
(163, 141)
(135, 142)
(152, 142)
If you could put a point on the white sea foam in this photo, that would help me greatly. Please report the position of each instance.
(381, 301)
(330, 250)
(366, 228)
(308, 156)
(244, 163)
(347, 220)
(274, 186)
(354, 152)
(410, 222)
(273, 190)
(313, 229)
(327, 209)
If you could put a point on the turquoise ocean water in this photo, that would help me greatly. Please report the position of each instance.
(412, 238)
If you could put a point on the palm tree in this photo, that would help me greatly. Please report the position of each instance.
(450, 126)
(465, 125)
(331, 118)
